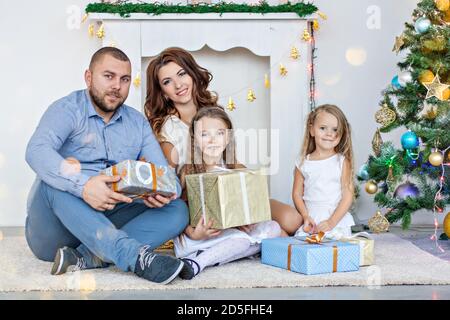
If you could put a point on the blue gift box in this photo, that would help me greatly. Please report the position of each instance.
(297, 255)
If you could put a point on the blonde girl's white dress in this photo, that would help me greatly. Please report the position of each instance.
(323, 192)
(176, 132)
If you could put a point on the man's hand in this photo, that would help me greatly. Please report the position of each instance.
(158, 201)
(99, 196)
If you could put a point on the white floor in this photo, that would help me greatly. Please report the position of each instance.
(326, 293)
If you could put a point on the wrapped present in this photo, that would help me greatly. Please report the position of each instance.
(230, 198)
(310, 256)
(141, 179)
(366, 247)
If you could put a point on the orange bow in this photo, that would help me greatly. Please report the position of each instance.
(315, 238)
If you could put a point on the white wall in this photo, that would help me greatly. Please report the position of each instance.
(43, 59)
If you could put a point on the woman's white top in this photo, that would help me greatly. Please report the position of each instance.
(176, 132)
(322, 192)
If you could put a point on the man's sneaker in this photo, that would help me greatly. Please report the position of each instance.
(67, 257)
(190, 269)
(157, 268)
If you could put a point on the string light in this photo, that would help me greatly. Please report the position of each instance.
(312, 81)
(437, 197)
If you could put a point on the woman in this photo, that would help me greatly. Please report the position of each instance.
(177, 87)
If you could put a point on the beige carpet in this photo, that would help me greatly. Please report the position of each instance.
(397, 262)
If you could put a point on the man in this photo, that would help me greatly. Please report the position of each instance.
(78, 136)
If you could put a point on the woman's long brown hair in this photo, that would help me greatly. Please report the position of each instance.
(157, 108)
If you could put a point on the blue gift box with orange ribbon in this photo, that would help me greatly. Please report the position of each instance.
(310, 255)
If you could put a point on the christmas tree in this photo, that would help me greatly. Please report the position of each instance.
(417, 99)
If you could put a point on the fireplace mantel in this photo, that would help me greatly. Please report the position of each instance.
(269, 35)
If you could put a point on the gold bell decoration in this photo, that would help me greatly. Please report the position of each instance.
(436, 88)
(91, 30)
(251, 95)
(294, 53)
(371, 187)
(283, 70)
(322, 15)
(385, 116)
(436, 158)
(101, 32)
(306, 36)
(377, 142)
(316, 25)
(266, 81)
(137, 80)
(84, 18)
(231, 106)
(378, 223)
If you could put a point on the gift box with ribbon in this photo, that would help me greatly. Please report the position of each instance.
(366, 247)
(140, 179)
(230, 198)
(310, 255)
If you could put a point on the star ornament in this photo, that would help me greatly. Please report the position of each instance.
(436, 88)
(399, 42)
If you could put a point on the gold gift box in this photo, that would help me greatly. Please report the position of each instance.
(366, 247)
(230, 198)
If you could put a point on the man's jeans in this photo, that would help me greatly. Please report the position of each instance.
(57, 218)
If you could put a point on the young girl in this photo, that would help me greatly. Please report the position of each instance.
(212, 146)
(323, 179)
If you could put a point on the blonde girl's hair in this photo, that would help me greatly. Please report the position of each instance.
(344, 146)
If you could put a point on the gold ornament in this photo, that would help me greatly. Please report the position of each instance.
(442, 5)
(306, 36)
(390, 176)
(231, 105)
(446, 17)
(266, 81)
(294, 53)
(429, 111)
(399, 42)
(436, 158)
(426, 76)
(91, 30)
(316, 25)
(101, 32)
(322, 15)
(378, 223)
(371, 187)
(137, 80)
(447, 224)
(446, 94)
(436, 88)
(251, 95)
(377, 142)
(283, 70)
(84, 18)
(385, 116)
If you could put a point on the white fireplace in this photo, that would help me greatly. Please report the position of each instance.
(278, 113)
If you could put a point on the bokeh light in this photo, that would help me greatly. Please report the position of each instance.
(356, 56)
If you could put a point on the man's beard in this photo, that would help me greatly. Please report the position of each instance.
(100, 102)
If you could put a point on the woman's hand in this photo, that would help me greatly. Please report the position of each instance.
(309, 226)
(325, 226)
(202, 231)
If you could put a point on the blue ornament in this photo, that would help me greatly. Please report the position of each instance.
(363, 173)
(409, 140)
(405, 190)
(395, 83)
(422, 25)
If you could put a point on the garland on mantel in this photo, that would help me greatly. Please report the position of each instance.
(125, 9)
